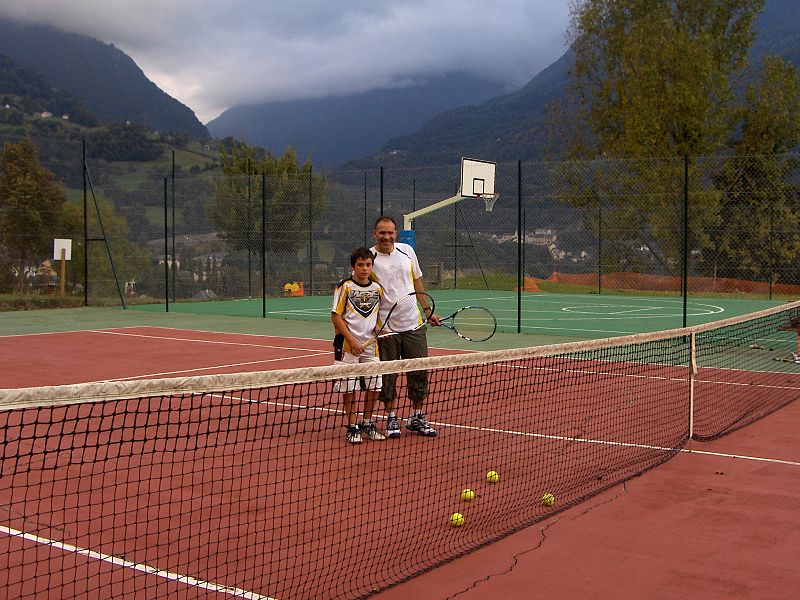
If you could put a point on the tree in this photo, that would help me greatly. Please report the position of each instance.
(295, 198)
(31, 209)
(130, 259)
(760, 209)
(656, 81)
(655, 77)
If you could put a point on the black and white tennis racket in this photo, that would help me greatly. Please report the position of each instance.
(473, 323)
(409, 313)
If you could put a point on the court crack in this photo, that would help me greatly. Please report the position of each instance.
(542, 539)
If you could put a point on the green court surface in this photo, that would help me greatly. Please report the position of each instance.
(546, 318)
(573, 316)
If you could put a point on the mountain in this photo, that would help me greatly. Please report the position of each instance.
(105, 79)
(30, 93)
(512, 127)
(334, 130)
(506, 128)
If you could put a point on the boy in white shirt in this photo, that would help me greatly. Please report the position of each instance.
(356, 301)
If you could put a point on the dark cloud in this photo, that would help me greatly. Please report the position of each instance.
(211, 55)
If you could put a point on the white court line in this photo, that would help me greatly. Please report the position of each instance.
(199, 341)
(144, 568)
(37, 333)
(541, 435)
(256, 335)
(252, 595)
(777, 461)
(211, 368)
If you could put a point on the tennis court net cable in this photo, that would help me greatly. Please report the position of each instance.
(242, 485)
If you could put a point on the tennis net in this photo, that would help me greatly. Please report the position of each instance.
(243, 485)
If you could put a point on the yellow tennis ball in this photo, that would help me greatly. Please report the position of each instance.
(456, 519)
(548, 499)
(467, 495)
(492, 477)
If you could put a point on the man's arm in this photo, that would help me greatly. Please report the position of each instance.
(433, 318)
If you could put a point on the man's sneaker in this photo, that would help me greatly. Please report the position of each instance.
(392, 427)
(353, 434)
(419, 424)
(369, 430)
(795, 357)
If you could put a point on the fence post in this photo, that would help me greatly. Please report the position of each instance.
(685, 235)
(249, 234)
(599, 246)
(455, 246)
(310, 231)
(771, 249)
(85, 232)
(174, 255)
(166, 249)
(263, 245)
(520, 238)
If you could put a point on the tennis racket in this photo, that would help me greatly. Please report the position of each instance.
(473, 323)
(409, 313)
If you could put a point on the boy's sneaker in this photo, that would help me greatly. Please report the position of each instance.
(353, 434)
(419, 424)
(369, 430)
(392, 427)
(795, 357)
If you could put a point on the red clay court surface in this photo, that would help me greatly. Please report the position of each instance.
(721, 522)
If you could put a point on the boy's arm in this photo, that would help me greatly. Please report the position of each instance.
(341, 327)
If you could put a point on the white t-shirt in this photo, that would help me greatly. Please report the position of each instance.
(396, 273)
(358, 305)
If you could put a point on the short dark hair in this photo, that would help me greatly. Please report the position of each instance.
(385, 218)
(362, 252)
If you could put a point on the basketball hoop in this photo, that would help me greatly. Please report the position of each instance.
(489, 199)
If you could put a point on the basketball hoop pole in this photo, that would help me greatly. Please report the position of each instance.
(409, 218)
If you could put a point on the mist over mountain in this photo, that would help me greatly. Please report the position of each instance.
(512, 127)
(334, 130)
(431, 120)
(105, 79)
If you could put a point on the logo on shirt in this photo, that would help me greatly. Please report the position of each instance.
(364, 301)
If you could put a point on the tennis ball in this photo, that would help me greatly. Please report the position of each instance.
(492, 477)
(548, 499)
(467, 495)
(456, 519)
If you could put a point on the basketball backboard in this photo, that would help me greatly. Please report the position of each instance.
(477, 178)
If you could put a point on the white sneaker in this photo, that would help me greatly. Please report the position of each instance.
(420, 424)
(369, 430)
(353, 434)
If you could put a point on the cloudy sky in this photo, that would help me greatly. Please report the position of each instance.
(212, 55)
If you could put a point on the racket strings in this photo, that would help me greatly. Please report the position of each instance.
(476, 324)
(408, 313)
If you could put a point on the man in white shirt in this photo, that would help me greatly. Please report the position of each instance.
(397, 269)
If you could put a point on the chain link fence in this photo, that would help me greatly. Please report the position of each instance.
(601, 226)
